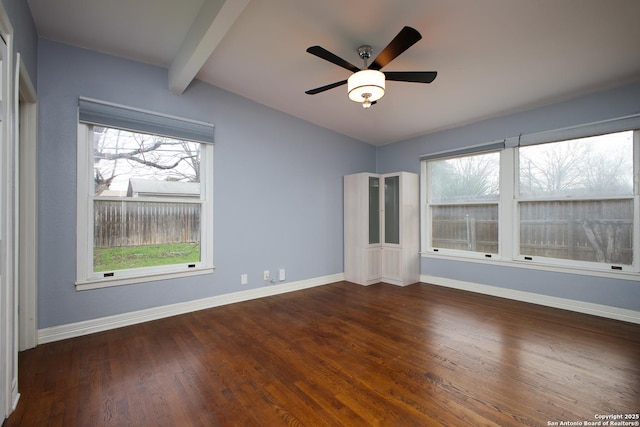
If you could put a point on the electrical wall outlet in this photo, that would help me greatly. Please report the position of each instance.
(266, 275)
(281, 274)
(244, 279)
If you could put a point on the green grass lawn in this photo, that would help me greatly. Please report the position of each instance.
(120, 258)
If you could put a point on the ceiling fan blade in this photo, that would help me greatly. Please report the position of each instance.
(323, 53)
(411, 76)
(327, 87)
(406, 38)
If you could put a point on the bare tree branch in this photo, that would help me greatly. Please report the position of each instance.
(133, 156)
(144, 156)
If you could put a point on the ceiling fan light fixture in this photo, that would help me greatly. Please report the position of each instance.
(366, 86)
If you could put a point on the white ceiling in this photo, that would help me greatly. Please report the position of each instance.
(492, 56)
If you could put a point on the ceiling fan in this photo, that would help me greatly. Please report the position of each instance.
(367, 85)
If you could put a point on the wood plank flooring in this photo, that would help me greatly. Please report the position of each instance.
(340, 355)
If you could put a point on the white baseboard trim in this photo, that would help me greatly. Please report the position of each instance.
(549, 301)
(61, 332)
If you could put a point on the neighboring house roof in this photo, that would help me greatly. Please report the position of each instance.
(113, 193)
(148, 187)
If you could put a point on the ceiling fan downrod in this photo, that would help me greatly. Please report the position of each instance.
(365, 52)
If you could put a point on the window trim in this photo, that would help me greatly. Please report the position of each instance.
(85, 277)
(534, 265)
(509, 224)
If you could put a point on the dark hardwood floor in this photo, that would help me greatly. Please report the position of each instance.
(340, 354)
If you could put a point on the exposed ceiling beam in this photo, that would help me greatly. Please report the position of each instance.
(209, 28)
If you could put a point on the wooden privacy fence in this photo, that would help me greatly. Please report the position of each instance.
(551, 229)
(120, 223)
(598, 230)
(467, 228)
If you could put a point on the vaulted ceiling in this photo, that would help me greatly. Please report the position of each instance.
(493, 57)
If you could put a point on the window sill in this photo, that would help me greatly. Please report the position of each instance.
(89, 284)
(620, 275)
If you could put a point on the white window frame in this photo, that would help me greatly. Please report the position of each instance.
(86, 278)
(634, 267)
(509, 217)
(426, 241)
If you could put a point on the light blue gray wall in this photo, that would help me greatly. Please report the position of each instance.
(24, 32)
(278, 187)
(609, 104)
(277, 183)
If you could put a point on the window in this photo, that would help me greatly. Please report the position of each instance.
(145, 192)
(576, 199)
(567, 198)
(463, 203)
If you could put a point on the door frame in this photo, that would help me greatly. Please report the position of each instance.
(9, 221)
(27, 212)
